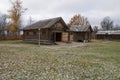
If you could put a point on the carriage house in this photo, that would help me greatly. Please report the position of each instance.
(46, 31)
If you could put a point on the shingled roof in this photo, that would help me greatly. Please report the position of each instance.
(76, 28)
(47, 23)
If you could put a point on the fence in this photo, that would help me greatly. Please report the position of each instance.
(10, 37)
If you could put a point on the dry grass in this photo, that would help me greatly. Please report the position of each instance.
(99, 60)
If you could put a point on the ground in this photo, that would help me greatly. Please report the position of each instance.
(97, 60)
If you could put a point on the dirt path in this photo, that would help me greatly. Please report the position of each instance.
(58, 46)
(66, 45)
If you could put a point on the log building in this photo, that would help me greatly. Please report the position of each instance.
(55, 30)
(108, 34)
(81, 33)
(46, 31)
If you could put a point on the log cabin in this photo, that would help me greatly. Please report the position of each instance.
(47, 31)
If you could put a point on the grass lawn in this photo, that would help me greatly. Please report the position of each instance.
(98, 60)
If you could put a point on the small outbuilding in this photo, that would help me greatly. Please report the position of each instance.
(81, 33)
(108, 34)
(46, 31)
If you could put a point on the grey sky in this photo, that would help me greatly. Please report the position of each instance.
(94, 10)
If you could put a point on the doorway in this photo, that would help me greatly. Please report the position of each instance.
(58, 36)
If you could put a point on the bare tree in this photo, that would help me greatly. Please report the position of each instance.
(79, 20)
(15, 14)
(30, 21)
(1, 21)
(3, 25)
(95, 29)
(116, 27)
(107, 23)
(4, 22)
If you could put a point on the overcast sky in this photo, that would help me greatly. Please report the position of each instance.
(94, 10)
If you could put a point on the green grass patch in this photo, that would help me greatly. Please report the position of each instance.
(98, 60)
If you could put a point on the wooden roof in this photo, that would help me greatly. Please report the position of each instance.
(47, 23)
(83, 28)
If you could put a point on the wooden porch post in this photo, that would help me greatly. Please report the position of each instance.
(39, 37)
(54, 36)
